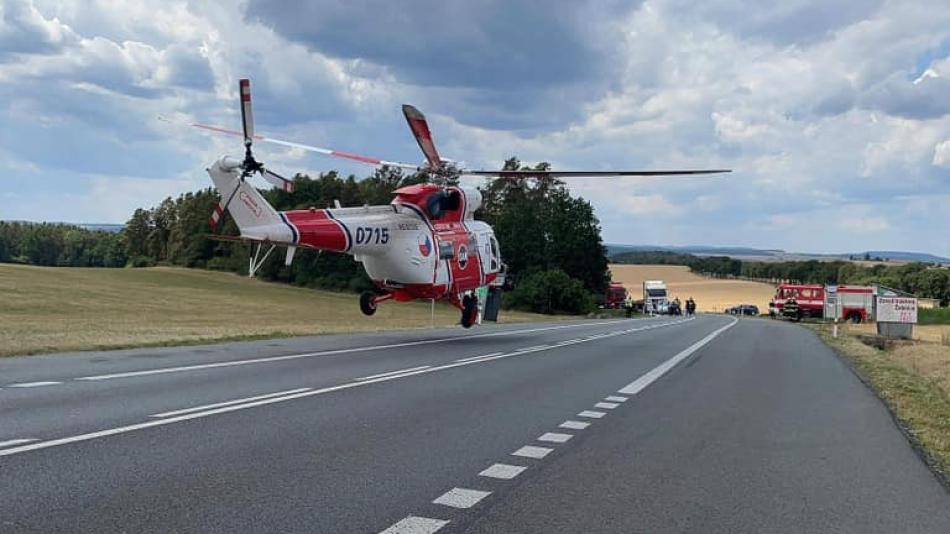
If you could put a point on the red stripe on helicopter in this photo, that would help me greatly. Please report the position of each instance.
(318, 230)
(356, 157)
(224, 130)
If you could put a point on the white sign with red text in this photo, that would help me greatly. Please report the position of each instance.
(897, 310)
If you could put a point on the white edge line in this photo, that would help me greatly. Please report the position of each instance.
(33, 384)
(16, 442)
(654, 374)
(473, 358)
(399, 372)
(229, 403)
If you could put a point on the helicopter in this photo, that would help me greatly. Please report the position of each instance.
(425, 244)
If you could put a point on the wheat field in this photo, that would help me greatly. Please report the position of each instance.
(710, 294)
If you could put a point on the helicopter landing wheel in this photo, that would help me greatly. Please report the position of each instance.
(367, 303)
(469, 311)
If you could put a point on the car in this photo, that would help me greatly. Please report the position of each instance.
(743, 309)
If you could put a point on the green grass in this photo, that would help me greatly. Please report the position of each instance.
(933, 316)
(918, 401)
(52, 309)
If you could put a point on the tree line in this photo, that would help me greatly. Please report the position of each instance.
(62, 245)
(549, 239)
(922, 279)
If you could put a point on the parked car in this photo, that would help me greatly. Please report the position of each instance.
(744, 309)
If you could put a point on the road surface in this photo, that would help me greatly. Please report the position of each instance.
(647, 425)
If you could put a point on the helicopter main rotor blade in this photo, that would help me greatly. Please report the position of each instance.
(420, 130)
(588, 174)
(366, 160)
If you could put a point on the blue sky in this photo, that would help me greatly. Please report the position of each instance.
(835, 115)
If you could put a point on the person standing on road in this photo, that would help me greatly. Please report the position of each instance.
(690, 307)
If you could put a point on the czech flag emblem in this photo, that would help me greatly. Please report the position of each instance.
(425, 245)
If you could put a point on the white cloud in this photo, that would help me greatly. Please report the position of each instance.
(815, 106)
(942, 154)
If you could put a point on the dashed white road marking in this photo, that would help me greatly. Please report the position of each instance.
(16, 442)
(530, 451)
(399, 372)
(503, 471)
(33, 384)
(555, 437)
(230, 403)
(653, 375)
(473, 358)
(615, 398)
(606, 405)
(370, 348)
(416, 525)
(461, 497)
(574, 425)
(592, 414)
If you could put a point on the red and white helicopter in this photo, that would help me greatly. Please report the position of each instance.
(425, 244)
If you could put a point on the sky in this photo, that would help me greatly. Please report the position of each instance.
(834, 115)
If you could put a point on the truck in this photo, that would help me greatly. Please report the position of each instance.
(616, 296)
(798, 301)
(655, 299)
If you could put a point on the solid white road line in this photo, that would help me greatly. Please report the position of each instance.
(33, 384)
(416, 525)
(243, 406)
(653, 375)
(335, 351)
(503, 471)
(592, 414)
(606, 405)
(615, 398)
(461, 497)
(555, 437)
(15, 442)
(473, 358)
(230, 402)
(399, 372)
(530, 451)
(574, 425)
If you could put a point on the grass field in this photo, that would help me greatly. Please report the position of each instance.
(710, 294)
(45, 309)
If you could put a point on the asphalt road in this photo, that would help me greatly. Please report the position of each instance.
(649, 425)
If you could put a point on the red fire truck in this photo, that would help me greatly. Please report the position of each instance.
(797, 301)
(616, 295)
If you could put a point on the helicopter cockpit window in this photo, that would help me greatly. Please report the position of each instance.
(441, 201)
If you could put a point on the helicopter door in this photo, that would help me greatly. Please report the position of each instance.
(488, 253)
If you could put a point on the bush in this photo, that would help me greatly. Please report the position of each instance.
(141, 261)
(550, 292)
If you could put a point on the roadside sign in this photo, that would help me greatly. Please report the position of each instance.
(897, 310)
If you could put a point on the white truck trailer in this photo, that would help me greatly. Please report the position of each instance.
(655, 299)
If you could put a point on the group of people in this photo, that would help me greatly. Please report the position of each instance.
(676, 308)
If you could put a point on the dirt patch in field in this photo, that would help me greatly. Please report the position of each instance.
(710, 294)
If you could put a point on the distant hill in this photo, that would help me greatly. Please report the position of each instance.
(749, 253)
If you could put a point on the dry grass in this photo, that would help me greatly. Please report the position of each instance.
(45, 309)
(931, 333)
(913, 378)
(710, 294)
